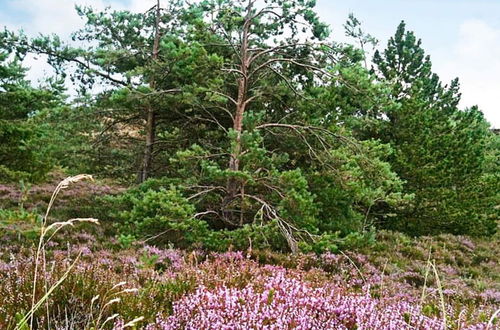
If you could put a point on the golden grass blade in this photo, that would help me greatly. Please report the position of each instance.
(46, 296)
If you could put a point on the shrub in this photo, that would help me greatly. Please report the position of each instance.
(161, 216)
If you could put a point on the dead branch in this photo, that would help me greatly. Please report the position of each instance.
(206, 190)
(289, 60)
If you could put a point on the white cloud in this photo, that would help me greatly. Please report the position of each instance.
(140, 6)
(45, 17)
(59, 17)
(475, 59)
(49, 16)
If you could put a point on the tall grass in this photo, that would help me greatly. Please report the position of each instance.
(432, 265)
(47, 232)
(441, 295)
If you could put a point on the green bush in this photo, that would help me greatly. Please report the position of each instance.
(164, 217)
(161, 216)
(335, 242)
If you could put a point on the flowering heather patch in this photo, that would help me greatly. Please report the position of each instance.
(288, 303)
(259, 289)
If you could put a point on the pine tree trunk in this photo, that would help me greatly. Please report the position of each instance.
(233, 186)
(147, 161)
(148, 150)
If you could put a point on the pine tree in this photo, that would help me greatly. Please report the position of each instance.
(439, 149)
(20, 157)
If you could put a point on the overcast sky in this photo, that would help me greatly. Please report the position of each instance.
(461, 36)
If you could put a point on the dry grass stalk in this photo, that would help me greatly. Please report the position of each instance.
(40, 252)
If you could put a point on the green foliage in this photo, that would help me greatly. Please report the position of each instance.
(162, 215)
(21, 158)
(21, 222)
(126, 240)
(277, 200)
(251, 137)
(12, 216)
(336, 242)
(440, 151)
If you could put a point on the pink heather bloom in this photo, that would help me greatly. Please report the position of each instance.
(287, 303)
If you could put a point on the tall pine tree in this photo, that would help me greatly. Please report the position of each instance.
(440, 151)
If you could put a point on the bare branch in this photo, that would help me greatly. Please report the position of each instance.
(234, 70)
(205, 213)
(158, 92)
(289, 84)
(263, 51)
(81, 63)
(156, 236)
(289, 60)
(206, 190)
(226, 96)
(250, 99)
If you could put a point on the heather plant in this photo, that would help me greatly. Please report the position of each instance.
(289, 303)
(342, 286)
(44, 284)
(388, 271)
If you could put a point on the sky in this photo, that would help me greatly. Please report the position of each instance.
(461, 36)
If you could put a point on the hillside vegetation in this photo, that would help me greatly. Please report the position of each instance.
(244, 169)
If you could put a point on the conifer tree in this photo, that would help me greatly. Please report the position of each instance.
(20, 157)
(439, 149)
